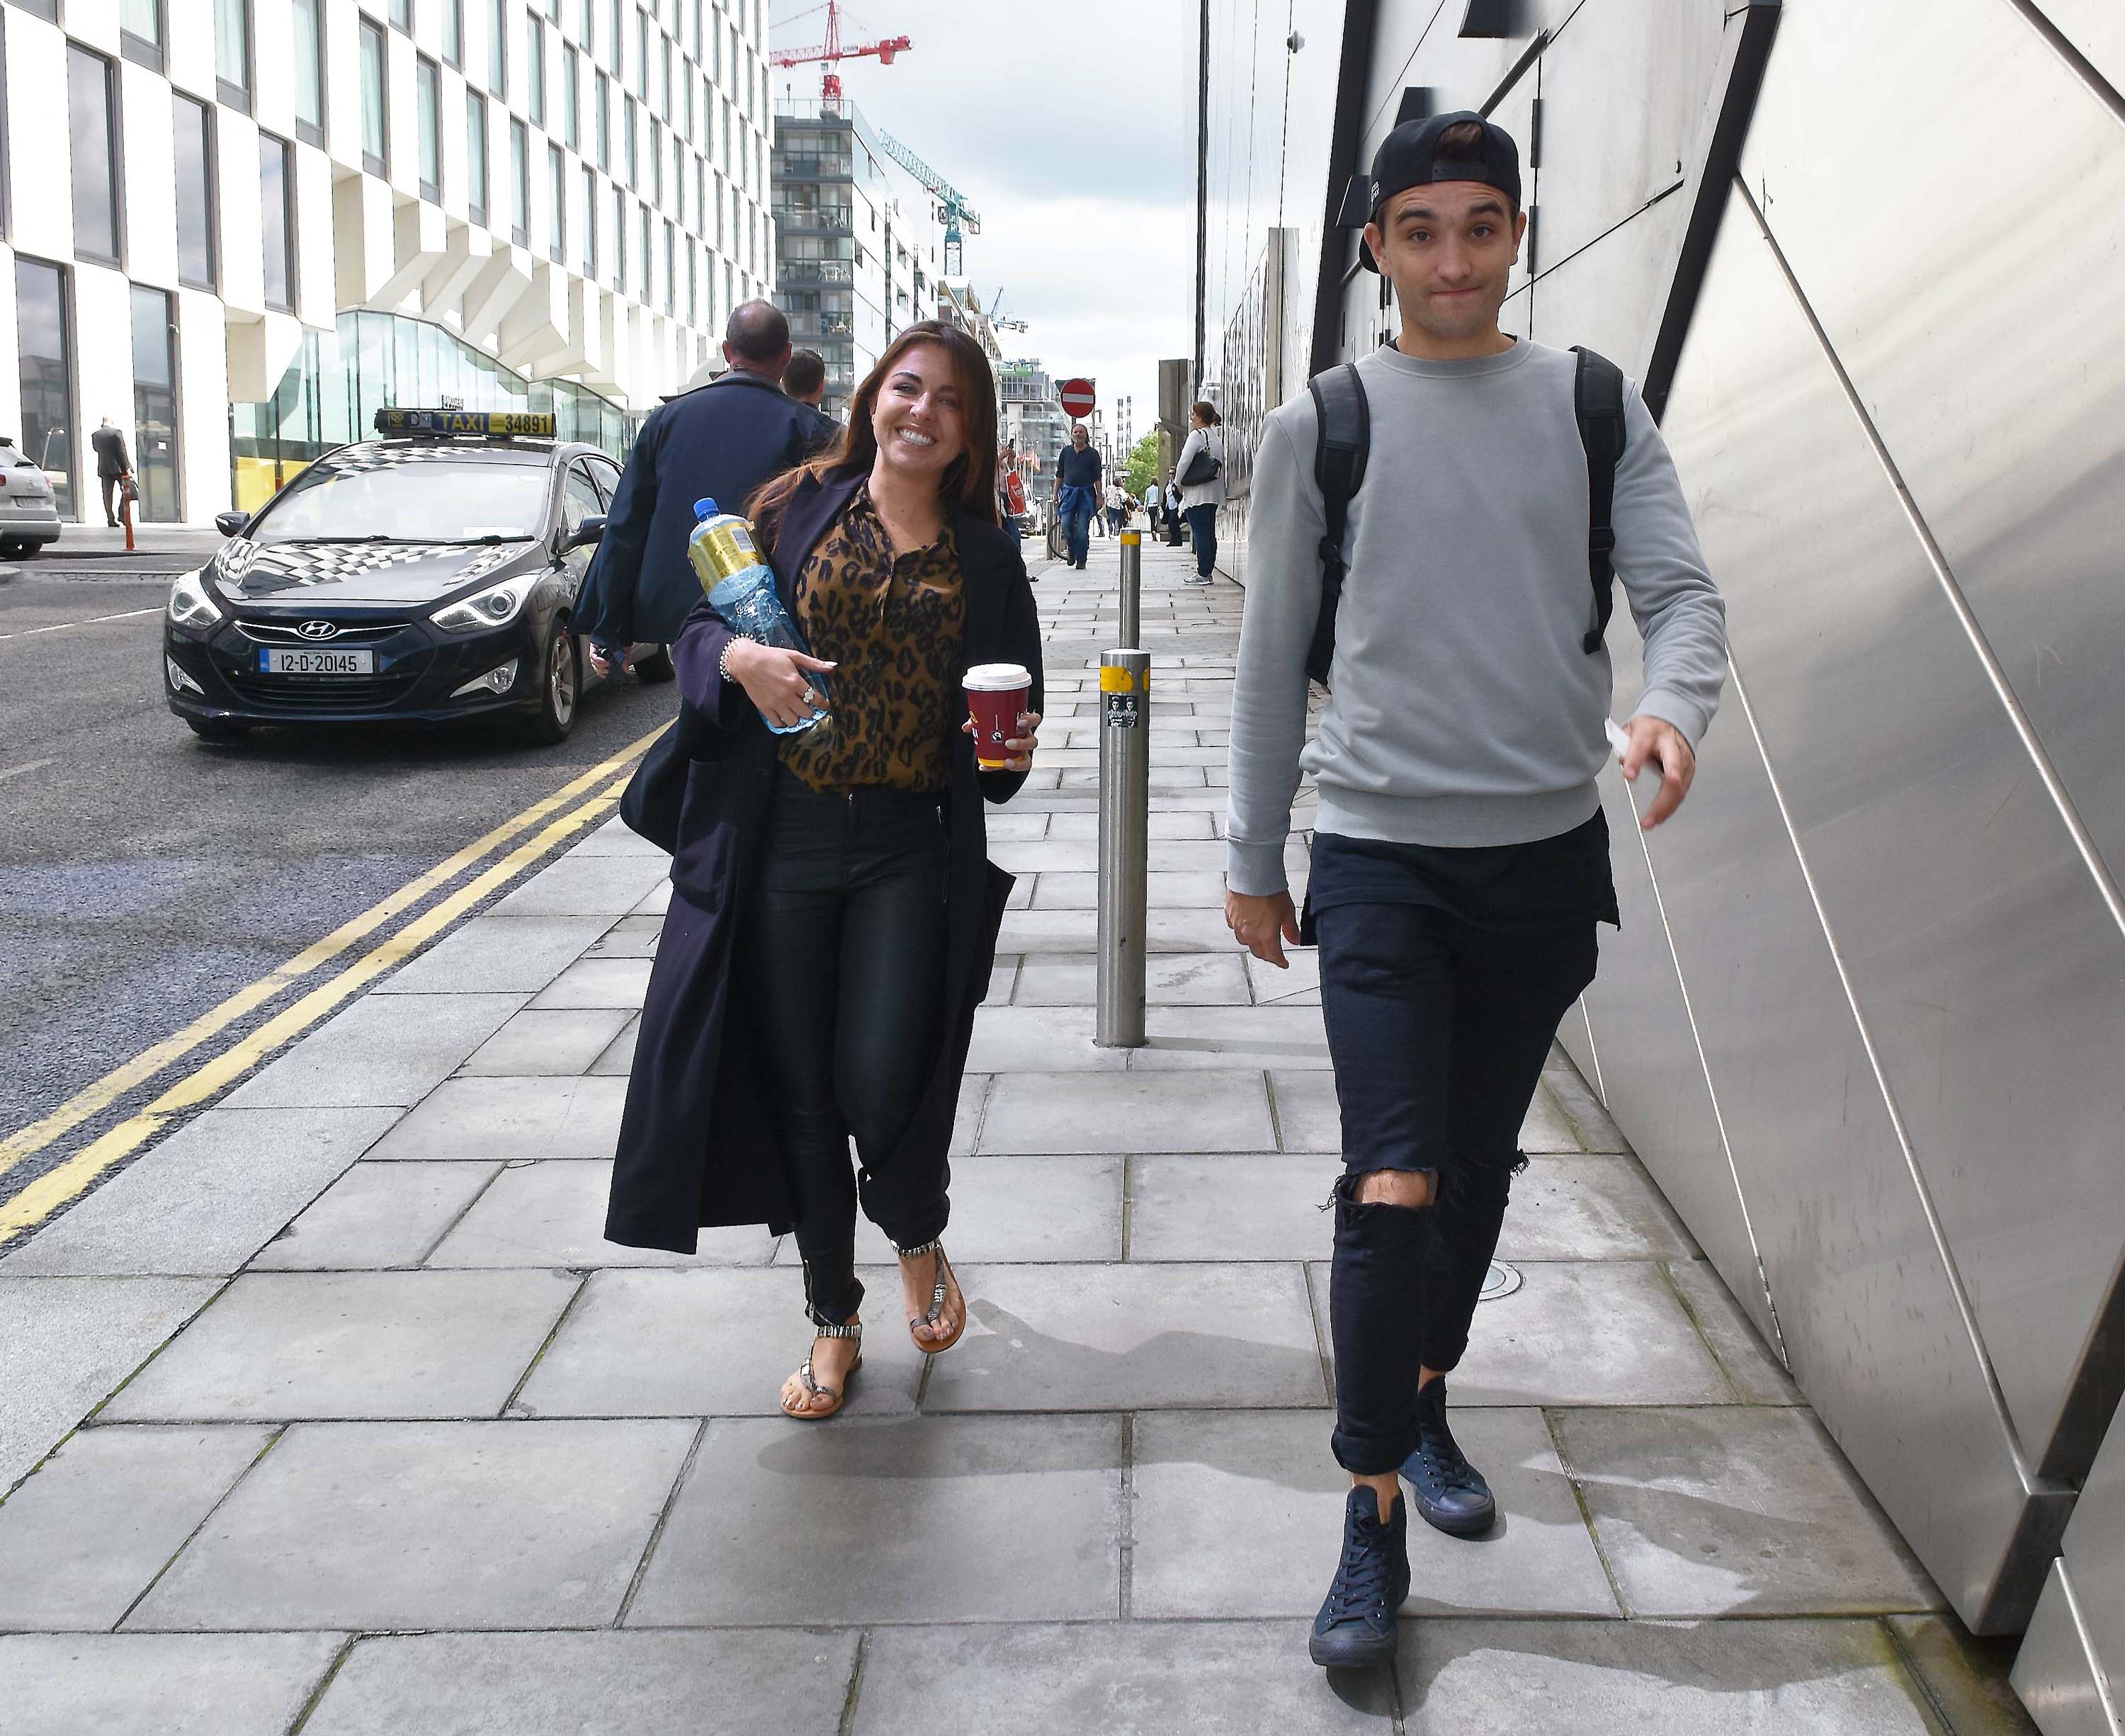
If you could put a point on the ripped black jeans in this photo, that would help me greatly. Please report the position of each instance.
(1438, 1030)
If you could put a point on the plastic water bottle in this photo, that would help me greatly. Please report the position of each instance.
(741, 589)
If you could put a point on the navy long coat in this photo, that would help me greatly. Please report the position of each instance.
(696, 1145)
(722, 440)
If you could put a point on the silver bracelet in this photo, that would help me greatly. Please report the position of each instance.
(722, 662)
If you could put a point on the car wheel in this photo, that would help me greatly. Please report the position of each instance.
(24, 550)
(217, 729)
(657, 667)
(560, 683)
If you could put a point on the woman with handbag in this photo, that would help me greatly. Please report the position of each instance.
(834, 915)
(1201, 470)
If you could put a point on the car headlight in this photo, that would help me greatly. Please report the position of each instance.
(496, 606)
(190, 604)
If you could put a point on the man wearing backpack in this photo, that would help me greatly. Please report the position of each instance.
(1472, 485)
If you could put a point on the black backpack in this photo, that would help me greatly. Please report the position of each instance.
(1345, 439)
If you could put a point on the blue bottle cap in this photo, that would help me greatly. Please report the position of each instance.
(705, 508)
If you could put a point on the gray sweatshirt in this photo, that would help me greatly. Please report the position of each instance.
(1464, 711)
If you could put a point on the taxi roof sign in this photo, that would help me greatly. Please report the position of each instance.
(533, 424)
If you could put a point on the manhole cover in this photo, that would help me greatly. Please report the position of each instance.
(1502, 1281)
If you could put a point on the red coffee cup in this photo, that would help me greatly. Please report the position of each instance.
(997, 698)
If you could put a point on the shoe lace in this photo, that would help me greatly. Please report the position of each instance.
(1361, 1581)
(1444, 1458)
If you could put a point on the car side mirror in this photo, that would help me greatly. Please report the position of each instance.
(589, 531)
(231, 524)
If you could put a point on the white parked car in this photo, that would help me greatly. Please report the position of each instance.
(29, 516)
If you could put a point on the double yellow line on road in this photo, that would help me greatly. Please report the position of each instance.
(594, 794)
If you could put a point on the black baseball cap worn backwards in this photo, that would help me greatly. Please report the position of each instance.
(1410, 157)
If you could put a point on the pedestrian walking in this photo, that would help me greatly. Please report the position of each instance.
(114, 467)
(1201, 470)
(1117, 508)
(1175, 524)
(804, 378)
(834, 917)
(1153, 498)
(1077, 494)
(720, 440)
(1460, 858)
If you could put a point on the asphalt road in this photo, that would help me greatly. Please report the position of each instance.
(145, 875)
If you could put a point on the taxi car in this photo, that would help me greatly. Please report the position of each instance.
(428, 576)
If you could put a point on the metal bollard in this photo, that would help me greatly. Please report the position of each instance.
(1132, 584)
(1124, 834)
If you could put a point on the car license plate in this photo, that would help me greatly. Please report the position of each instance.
(276, 660)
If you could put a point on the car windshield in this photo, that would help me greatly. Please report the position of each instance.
(409, 499)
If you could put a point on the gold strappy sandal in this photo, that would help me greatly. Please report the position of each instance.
(853, 1329)
(938, 1293)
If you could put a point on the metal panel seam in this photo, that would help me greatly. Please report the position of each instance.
(2076, 62)
(2106, 885)
(2096, 1671)
(1711, 1089)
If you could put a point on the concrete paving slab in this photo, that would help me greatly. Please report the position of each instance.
(1546, 1127)
(1053, 1113)
(88, 1533)
(618, 1060)
(631, 937)
(390, 1049)
(160, 1684)
(878, 1520)
(1735, 1511)
(1131, 1338)
(1310, 1120)
(710, 1343)
(966, 1118)
(1588, 1333)
(1193, 1039)
(1241, 1513)
(428, 1525)
(1967, 1677)
(377, 1215)
(65, 1341)
(1756, 1372)
(1590, 1208)
(588, 886)
(1200, 889)
(793, 1683)
(1171, 824)
(1039, 1039)
(1566, 1678)
(614, 838)
(498, 955)
(655, 902)
(1042, 1210)
(598, 982)
(1255, 1206)
(1297, 984)
(552, 1214)
(1077, 931)
(205, 1198)
(1576, 1099)
(351, 1344)
(534, 1043)
(1170, 979)
(1120, 1678)
(466, 1119)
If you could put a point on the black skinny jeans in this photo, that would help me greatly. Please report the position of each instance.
(845, 960)
(1438, 1031)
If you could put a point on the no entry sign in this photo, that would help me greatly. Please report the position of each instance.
(1077, 397)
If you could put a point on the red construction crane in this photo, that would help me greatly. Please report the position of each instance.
(833, 51)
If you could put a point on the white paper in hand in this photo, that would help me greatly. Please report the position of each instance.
(1621, 744)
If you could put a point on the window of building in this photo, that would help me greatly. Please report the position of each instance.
(648, 275)
(642, 55)
(627, 111)
(428, 88)
(43, 321)
(453, 31)
(572, 108)
(194, 155)
(232, 53)
(670, 268)
(589, 222)
(140, 32)
(588, 32)
(665, 106)
(693, 305)
(92, 122)
(277, 219)
(557, 190)
(614, 40)
(619, 239)
(497, 49)
(309, 71)
(476, 156)
(155, 403)
(402, 15)
(601, 119)
(372, 98)
(519, 177)
(534, 70)
(47, 9)
(657, 165)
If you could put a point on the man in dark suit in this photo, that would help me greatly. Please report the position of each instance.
(723, 440)
(805, 380)
(113, 465)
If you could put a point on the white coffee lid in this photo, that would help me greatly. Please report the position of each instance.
(998, 678)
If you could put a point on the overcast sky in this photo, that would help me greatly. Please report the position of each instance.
(1067, 128)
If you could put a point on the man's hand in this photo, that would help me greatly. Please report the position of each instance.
(606, 659)
(1262, 923)
(1663, 744)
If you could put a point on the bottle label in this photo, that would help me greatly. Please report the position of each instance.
(726, 548)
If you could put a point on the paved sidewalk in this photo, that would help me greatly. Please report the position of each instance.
(381, 1437)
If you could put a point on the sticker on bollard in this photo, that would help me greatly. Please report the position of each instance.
(1123, 711)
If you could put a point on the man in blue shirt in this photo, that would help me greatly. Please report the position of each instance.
(1077, 494)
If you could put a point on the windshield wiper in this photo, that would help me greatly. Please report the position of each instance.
(377, 537)
(491, 538)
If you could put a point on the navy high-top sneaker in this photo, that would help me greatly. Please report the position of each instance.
(1450, 1492)
(1355, 1629)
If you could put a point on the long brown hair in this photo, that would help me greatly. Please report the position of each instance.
(968, 484)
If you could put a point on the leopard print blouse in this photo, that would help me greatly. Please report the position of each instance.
(895, 625)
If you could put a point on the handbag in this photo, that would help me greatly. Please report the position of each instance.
(1205, 467)
(650, 805)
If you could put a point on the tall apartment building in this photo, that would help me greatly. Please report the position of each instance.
(1033, 419)
(858, 243)
(239, 226)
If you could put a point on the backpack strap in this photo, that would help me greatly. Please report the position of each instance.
(1342, 440)
(1597, 402)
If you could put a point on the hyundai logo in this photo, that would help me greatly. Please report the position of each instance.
(316, 629)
